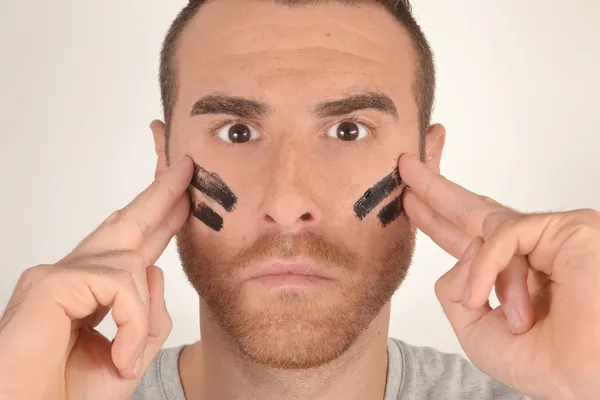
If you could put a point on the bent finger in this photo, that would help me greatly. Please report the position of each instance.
(518, 236)
(480, 331)
(161, 237)
(159, 320)
(444, 233)
(128, 228)
(513, 293)
(463, 208)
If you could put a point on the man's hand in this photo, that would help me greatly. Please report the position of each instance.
(544, 339)
(48, 346)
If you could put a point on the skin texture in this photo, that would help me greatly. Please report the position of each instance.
(542, 340)
(296, 188)
(50, 349)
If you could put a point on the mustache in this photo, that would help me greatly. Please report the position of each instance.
(305, 245)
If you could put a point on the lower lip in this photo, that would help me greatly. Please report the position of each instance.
(288, 280)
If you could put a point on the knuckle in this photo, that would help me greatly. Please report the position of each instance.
(115, 217)
(29, 278)
(35, 275)
(136, 231)
(488, 200)
(500, 223)
(161, 186)
(582, 231)
(584, 224)
(135, 261)
(142, 328)
(427, 190)
(164, 328)
(496, 205)
(128, 260)
(141, 227)
(168, 325)
(509, 225)
(464, 215)
(440, 287)
(431, 220)
(589, 215)
(124, 278)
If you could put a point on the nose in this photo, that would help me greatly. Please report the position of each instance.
(288, 205)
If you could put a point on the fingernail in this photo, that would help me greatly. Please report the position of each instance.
(407, 155)
(137, 369)
(469, 253)
(514, 319)
(180, 161)
(137, 362)
(467, 294)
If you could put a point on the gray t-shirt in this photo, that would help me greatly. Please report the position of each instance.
(414, 373)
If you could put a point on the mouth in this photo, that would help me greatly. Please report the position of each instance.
(279, 274)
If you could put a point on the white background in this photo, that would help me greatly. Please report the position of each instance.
(518, 87)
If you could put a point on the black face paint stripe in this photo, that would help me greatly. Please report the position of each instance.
(207, 215)
(391, 212)
(375, 195)
(213, 186)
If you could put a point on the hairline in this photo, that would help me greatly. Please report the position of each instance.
(170, 54)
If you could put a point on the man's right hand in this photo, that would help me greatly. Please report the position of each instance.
(48, 346)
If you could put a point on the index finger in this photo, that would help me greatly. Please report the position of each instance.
(130, 227)
(458, 205)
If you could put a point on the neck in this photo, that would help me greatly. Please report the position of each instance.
(214, 369)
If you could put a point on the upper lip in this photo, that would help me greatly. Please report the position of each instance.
(278, 267)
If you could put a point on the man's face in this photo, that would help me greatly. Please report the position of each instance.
(297, 165)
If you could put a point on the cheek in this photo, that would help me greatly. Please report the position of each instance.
(331, 175)
(371, 239)
(222, 246)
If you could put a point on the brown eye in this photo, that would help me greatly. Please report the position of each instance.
(238, 133)
(348, 131)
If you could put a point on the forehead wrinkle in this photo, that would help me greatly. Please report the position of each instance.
(285, 31)
(312, 49)
(314, 59)
(259, 35)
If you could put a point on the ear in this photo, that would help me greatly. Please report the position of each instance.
(159, 131)
(435, 140)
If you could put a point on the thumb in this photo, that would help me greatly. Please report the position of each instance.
(452, 289)
(483, 333)
(159, 320)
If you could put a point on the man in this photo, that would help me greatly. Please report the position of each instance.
(294, 127)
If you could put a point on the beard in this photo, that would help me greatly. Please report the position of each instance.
(295, 329)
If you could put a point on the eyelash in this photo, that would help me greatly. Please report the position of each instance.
(370, 127)
(217, 127)
(214, 131)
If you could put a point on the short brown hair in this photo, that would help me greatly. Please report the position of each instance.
(424, 87)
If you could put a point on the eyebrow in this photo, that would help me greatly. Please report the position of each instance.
(368, 100)
(247, 108)
(231, 105)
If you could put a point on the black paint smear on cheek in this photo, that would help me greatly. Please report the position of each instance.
(210, 218)
(213, 186)
(378, 193)
(391, 212)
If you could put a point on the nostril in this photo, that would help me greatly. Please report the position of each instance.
(288, 221)
(306, 217)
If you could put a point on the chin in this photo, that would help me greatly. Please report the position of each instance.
(286, 320)
(293, 329)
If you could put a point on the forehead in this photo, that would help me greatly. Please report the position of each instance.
(262, 49)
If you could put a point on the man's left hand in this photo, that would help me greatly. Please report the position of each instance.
(544, 338)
